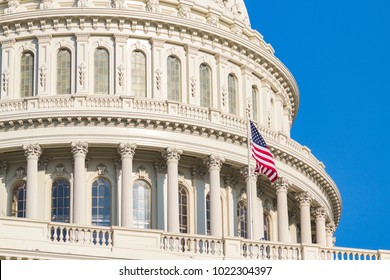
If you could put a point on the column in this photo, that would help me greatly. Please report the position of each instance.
(304, 200)
(118, 170)
(79, 151)
(198, 174)
(3, 190)
(82, 63)
(120, 64)
(127, 151)
(230, 184)
(161, 173)
(172, 156)
(7, 90)
(214, 164)
(320, 214)
(32, 152)
(251, 197)
(261, 214)
(43, 203)
(281, 185)
(330, 228)
(43, 64)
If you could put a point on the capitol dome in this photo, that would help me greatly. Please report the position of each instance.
(123, 128)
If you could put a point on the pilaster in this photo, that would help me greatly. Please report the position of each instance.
(304, 200)
(8, 90)
(320, 215)
(121, 73)
(281, 186)
(82, 51)
(157, 71)
(330, 229)
(3, 190)
(198, 176)
(160, 166)
(43, 59)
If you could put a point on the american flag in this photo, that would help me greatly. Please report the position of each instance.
(260, 152)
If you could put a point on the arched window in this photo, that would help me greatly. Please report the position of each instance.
(138, 74)
(63, 71)
(232, 93)
(141, 204)
(183, 210)
(205, 85)
(255, 103)
(173, 78)
(208, 227)
(60, 201)
(242, 219)
(19, 199)
(101, 202)
(27, 74)
(267, 227)
(101, 71)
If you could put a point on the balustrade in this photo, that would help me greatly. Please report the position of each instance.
(270, 251)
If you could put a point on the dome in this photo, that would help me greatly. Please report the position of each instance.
(130, 118)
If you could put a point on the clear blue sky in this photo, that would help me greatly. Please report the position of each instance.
(339, 53)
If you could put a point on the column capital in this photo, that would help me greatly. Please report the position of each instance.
(3, 167)
(230, 181)
(198, 172)
(161, 166)
(127, 150)
(172, 154)
(330, 228)
(79, 149)
(303, 198)
(281, 184)
(249, 173)
(32, 150)
(319, 213)
(42, 163)
(214, 161)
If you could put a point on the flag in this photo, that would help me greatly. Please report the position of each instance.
(260, 152)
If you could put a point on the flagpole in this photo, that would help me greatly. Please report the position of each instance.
(249, 198)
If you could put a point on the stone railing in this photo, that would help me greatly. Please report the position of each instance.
(32, 239)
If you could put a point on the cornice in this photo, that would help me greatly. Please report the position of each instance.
(243, 50)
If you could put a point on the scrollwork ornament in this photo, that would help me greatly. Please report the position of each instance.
(199, 172)
(79, 148)
(121, 74)
(214, 161)
(172, 154)
(193, 86)
(46, 4)
(32, 150)
(5, 80)
(81, 69)
(330, 228)
(224, 95)
(184, 11)
(319, 213)
(152, 6)
(13, 6)
(42, 75)
(303, 198)
(127, 149)
(160, 166)
(119, 4)
(158, 73)
(281, 184)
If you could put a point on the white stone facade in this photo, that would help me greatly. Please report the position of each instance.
(172, 146)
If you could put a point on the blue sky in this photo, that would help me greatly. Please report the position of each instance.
(339, 53)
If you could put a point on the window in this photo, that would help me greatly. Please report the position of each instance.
(183, 210)
(267, 227)
(19, 199)
(255, 103)
(101, 202)
(138, 74)
(242, 219)
(232, 94)
(173, 78)
(141, 204)
(63, 71)
(60, 201)
(101, 71)
(208, 227)
(205, 85)
(27, 74)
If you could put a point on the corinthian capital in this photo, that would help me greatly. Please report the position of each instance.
(198, 172)
(79, 148)
(32, 150)
(172, 153)
(3, 167)
(281, 184)
(214, 161)
(330, 228)
(319, 213)
(127, 149)
(248, 173)
(303, 198)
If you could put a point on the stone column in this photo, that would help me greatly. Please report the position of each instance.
(161, 173)
(251, 197)
(127, 151)
(3, 190)
(260, 214)
(172, 156)
(230, 184)
(43, 192)
(281, 185)
(320, 214)
(79, 151)
(304, 200)
(32, 152)
(330, 228)
(214, 164)
(198, 174)
(118, 207)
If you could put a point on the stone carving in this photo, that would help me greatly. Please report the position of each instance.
(319, 212)
(5, 80)
(13, 5)
(142, 173)
(20, 173)
(224, 95)
(268, 206)
(83, 3)
(161, 166)
(127, 149)
(230, 6)
(101, 169)
(81, 68)
(281, 184)
(214, 161)
(212, 19)
(119, 4)
(303, 197)
(158, 78)
(230, 181)
(330, 228)
(121, 74)
(198, 172)
(32, 150)
(248, 172)
(3, 167)
(184, 11)
(60, 169)
(118, 163)
(193, 86)
(172, 153)
(79, 148)
(236, 29)
(46, 4)
(152, 6)
(42, 75)
(42, 163)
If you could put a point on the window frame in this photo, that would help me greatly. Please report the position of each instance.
(170, 84)
(233, 94)
(149, 203)
(22, 79)
(96, 78)
(210, 86)
(110, 201)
